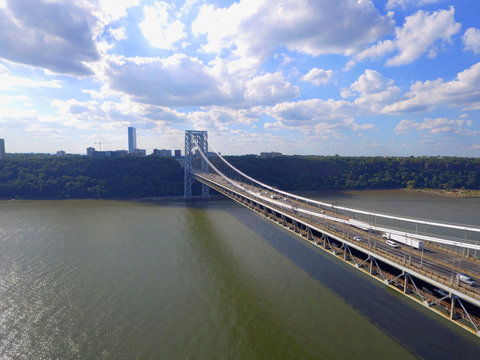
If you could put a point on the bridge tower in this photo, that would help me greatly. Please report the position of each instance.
(194, 139)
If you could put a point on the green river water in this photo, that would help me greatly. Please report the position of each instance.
(95, 279)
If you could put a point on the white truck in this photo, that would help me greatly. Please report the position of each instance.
(417, 244)
(465, 279)
(358, 224)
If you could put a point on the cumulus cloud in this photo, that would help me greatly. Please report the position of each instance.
(463, 92)
(118, 34)
(471, 40)
(174, 81)
(405, 3)
(310, 111)
(253, 30)
(9, 82)
(112, 10)
(181, 81)
(317, 76)
(222, 118)
(431, 126)
(374, 91)
(422, 32)
(269, 89)
(57, 36)
(158, 27)
(109, 114)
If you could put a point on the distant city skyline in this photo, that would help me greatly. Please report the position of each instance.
(347, 77)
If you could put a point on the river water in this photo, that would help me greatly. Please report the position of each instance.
(94, 279)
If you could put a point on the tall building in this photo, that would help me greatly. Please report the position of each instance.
(2, 149)
(140, 152)
(132, 140)
(178, 154)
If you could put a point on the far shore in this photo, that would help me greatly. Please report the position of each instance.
(459, 193)
(464, 193)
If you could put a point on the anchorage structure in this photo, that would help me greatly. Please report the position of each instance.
(195, 140)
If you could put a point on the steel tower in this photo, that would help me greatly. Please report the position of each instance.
(195, 139)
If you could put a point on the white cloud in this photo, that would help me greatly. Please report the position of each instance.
(108, 115)
(4, 70)
(471, 39)
(317, 76)
(421, 33)
(221, 118)
(180, 81)
(113, 10)
(370, 82)
(9, 82)
(463, 92)
(375, 91)
(158, 27)
(431, 126)
(251, 30)
(174, 81)
(269, 89)
(405, 3)
(57, 36)
(380, 49)
(118, 34)
(310, 113)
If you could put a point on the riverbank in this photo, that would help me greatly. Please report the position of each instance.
(464, 193)
(177, 198)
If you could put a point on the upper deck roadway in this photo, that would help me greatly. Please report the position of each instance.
(423, 267)
(434, 259)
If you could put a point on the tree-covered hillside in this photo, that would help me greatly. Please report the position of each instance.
(83, 177)
(335, 172)
(50, 177)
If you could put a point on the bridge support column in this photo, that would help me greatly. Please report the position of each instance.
(452, 307)
(194, 139)
(309, 234)
(295, 226)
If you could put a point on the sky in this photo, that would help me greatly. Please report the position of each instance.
(323, 77)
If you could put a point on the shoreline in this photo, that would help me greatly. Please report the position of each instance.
(453, 193)
(459, 193)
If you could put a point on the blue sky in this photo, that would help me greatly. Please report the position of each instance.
(324, 77)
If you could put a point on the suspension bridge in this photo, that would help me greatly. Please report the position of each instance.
(437, 266)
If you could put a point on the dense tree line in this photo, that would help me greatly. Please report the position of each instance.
(336, 173)
(50, 177)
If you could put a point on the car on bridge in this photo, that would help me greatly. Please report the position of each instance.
(466, 279)
(391, 243)
(357, 238)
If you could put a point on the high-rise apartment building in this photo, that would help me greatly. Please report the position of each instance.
(162, 153)
(132, 140)
(2, 149)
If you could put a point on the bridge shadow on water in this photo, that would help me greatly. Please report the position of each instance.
(240, 295)
(419, 330)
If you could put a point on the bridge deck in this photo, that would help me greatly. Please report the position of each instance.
(433, 266)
